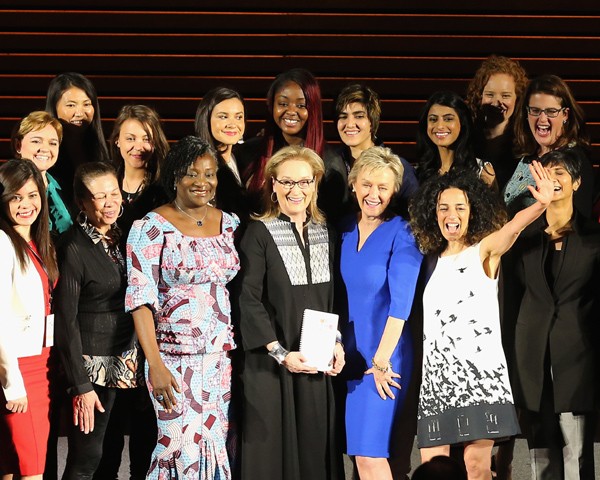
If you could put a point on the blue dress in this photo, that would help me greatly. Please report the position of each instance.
(380, 281)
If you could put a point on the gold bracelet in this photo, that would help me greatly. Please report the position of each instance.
(385, 369)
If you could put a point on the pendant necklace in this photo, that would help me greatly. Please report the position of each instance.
(198, 222)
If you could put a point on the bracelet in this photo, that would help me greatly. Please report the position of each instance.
(385, 369)
(338, 338)
(278, 353)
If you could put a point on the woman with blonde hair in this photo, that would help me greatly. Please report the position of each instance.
(37, 137)
(380, 265)
(287, 264)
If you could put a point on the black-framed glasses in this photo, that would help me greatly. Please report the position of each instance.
(550, 112)
(289, 184)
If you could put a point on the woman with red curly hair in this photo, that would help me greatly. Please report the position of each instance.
(492, 95)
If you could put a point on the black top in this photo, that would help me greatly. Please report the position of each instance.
(89, 306)
(231, 195)
(147, 200)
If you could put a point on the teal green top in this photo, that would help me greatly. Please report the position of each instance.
(60, 218)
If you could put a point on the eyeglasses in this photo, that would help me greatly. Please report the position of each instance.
(550, 112)
(289, 184)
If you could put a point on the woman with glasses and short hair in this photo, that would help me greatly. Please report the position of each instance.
(548, 118)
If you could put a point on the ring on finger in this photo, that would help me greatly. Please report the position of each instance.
(159, 397)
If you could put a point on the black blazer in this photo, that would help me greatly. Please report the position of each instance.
(561, 323)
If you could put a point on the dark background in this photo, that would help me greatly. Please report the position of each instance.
(167, 54)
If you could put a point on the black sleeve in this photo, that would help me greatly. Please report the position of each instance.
(256, 325)
(584, 196)
(65, 304)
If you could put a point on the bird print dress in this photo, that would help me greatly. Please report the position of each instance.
(465, 392)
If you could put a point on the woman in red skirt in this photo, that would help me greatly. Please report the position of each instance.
(27, 271)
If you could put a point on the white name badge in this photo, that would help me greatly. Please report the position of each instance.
(49, 340)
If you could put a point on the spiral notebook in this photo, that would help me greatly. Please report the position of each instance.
(317, 339)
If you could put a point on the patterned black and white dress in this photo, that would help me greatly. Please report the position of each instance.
(465, 392)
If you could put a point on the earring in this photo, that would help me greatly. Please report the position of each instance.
(241, 140)
(121, 211)
(565, 121)
(174, 186)
(81, 217)
(273, 197)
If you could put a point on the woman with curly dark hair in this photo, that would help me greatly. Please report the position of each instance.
(492, 96)
(444, 139)
(465, 393)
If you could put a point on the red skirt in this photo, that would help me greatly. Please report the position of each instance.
(24, 436)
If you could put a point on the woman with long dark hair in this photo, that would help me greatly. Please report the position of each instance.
(72, 99)
(445, 141)
(28, 271)
(220, 122)
(294, 117)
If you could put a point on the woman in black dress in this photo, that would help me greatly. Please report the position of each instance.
(287, 261)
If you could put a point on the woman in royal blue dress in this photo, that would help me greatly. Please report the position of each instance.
(380, 264)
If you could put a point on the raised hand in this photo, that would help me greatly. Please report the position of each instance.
(543, 192)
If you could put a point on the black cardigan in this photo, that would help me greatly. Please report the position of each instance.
(89, 307)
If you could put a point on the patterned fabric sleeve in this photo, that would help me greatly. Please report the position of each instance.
(403, 272)
(144, 247)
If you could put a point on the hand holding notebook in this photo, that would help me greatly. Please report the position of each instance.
(317, 339)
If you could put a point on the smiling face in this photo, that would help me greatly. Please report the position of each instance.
(24, 207)
(453, 212)
(134, 144)
(41, 146)
(564, 186)
(199, 184)
(499, 97)
(290, 112)
(75, 107)
(103, 205)
(227, 121)
(294, 202)
(546, 130)
(354, 126)
(374, 190)
(443, 125)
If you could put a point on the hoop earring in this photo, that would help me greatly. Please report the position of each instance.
(121, 211)
(273, 197)
(81, 218)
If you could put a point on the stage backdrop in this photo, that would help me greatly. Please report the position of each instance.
(167, 54)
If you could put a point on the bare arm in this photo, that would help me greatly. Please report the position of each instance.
(161, 379)
(498, 243)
